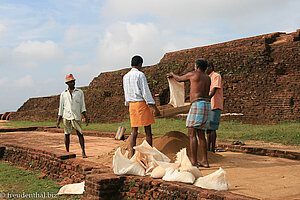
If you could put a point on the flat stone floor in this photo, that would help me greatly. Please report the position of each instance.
(262, 177)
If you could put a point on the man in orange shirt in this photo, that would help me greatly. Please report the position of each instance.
(216, 96)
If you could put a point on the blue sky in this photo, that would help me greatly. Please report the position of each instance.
(43, 40)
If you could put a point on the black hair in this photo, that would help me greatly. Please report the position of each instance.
(201, 63)
(210, 64)
(136, 60)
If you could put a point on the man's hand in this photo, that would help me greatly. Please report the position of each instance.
(156, 113)
(57, 124)
(87, 121)
(170, 75)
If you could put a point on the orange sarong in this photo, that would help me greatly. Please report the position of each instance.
(140, 114)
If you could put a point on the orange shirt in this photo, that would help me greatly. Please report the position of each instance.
(217, 99)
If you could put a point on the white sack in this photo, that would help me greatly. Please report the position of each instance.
(176, 92)
(122, 165)
(214, 181)
(160, 170)
(75, 188)
(148, 157)
(175, 175)
(192, 169)
(145, 148)
(182, 159)
(140, 158)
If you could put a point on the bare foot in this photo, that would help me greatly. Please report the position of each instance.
(203, 164)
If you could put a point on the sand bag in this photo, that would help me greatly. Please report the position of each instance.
(148, 157)
(182, 159)
(141, 158)
(214, 181)
(75, 188)
(145, 148)
(122, 165)
(192, 169)
(176, 92)
(175, 175)
(160, 171)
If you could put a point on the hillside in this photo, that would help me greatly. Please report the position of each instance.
(261, 80)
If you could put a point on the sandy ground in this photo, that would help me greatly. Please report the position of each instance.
(262, 177)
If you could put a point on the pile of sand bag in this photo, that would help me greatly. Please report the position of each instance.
(148, 160)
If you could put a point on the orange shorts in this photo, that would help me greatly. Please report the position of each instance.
(140, 114)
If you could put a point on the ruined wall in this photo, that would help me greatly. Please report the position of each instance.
(38, 109)
(261, 77)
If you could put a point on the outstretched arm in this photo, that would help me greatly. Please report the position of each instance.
(182, 78)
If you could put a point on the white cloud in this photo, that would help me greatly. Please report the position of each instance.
(5, 56)
(29, 54)
(24, 82)
(4, 82)
(38, 28)
(3, 31)
(246, 15)
(123, 40)
(79, 35)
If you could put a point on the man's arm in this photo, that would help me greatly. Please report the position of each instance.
(147, 95)
(58, 121)
(125, 89)
(83, 109)
(216, 84)
(60, 110)
(213, 92)
(86, 118)
(144, 88)
(156, 111)
(182, 78)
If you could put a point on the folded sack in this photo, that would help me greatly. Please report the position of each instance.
(122, 165)
(214, 181)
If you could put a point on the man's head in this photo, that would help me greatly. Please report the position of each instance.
(210, 68)
(70, 80)
(137, 61)
(201, 64)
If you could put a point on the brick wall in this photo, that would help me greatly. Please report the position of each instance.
(133, 187)
(54, 163)
(101, 183)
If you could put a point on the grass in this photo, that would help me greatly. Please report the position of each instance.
(285, 133)
(19, 181)
(18, 124)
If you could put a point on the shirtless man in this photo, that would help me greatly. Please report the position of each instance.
(198, 118)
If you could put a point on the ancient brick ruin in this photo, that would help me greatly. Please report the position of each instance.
(261, 80)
